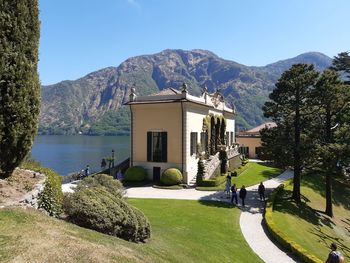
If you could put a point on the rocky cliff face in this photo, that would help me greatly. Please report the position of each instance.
(92, 103)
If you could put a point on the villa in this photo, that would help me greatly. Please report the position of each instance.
(172, 128)
(250, 141)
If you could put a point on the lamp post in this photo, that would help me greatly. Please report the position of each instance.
(112, 158)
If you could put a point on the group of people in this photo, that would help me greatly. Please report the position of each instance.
(231, 190)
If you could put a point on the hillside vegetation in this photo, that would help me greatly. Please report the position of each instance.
(92, 105)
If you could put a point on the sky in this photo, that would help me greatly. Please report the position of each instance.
(82, 36)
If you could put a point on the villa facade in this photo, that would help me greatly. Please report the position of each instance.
(170, 128)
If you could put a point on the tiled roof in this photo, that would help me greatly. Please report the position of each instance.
(168, 91)
(269, 124)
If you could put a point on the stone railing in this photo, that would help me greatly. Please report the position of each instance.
(210, 165)
(232, 152)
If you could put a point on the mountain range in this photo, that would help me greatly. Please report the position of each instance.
(93, 104)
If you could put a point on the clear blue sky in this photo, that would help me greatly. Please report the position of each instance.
(81, 36)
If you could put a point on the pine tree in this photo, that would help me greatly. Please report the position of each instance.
(19, 81)
(341, 63)
(289, 105)
(200, 172)
(331, 99)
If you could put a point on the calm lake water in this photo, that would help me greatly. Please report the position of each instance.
(67, 154)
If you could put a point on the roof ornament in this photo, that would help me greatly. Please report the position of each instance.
(184, 88)
(132, 95)
(205, 93)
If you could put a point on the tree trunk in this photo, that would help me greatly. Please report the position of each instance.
(329, 206)
(297, 161)
(328, 139)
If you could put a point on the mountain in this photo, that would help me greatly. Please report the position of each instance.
(93, 104)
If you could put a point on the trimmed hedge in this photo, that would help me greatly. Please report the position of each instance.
(171, 176)
(98, 209)
(51, 197)
(135, 174)
(280, 237)
(214, 182)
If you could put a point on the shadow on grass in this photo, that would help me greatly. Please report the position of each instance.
(303, 211)
(341, 193)
(328, 239)
(218, 204)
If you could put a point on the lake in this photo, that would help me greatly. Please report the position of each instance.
(67, 154)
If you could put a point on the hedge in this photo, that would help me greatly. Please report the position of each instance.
(51, 197)
(171, 176)
(280, 237)
(135, 174)
(98, 209)
(218, 180)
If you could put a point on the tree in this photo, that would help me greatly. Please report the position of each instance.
(289, 105)
(19, 81)
(200, 171)
(331, 99)
(341, 63)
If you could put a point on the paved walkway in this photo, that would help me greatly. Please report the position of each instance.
(252, 227)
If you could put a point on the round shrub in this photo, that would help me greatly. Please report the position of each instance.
(98, 209)
(115, 187)
(171, 176)
(135, 174)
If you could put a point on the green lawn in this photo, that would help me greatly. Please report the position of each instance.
(182, 231)
(252, 174)
(308, 226)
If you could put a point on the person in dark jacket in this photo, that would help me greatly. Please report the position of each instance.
(242, 194)
(234, 194)
(334, 256)
(261, 191)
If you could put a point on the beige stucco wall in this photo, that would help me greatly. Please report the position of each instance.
(157, 117)
(250, 142)
(194, 123)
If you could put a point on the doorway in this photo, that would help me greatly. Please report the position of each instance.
(156, 174)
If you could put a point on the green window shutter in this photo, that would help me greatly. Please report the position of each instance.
(164, 146)
(149, 146)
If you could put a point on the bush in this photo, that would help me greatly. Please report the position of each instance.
(135, 174)
(51, 197)
(115, 187)
(98, 209)
(171, 176)
(218, 180)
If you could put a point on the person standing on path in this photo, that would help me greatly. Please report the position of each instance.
(87, 170)
(334, 256)
(103, 164)
(234, 194)
(242, 194)
(261, 190)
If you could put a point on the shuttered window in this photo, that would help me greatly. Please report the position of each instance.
(157, 146)
(193, 142)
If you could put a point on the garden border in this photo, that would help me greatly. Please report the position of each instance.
(280, 237)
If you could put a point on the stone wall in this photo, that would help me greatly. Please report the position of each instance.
(31, 198)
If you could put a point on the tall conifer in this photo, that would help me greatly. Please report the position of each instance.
(19, 81)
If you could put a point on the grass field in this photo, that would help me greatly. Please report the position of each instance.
(308, 225)
(182, 231)
(254, 173)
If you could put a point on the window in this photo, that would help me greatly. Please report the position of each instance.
(227, 139)
(232, 139)
(157, 146)
(193, 143)
(258, 151)
(243, 150)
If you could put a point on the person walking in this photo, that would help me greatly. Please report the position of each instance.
(228, 186)
(234, 194)
(334, 256)
(261, 190)
(242, 194)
